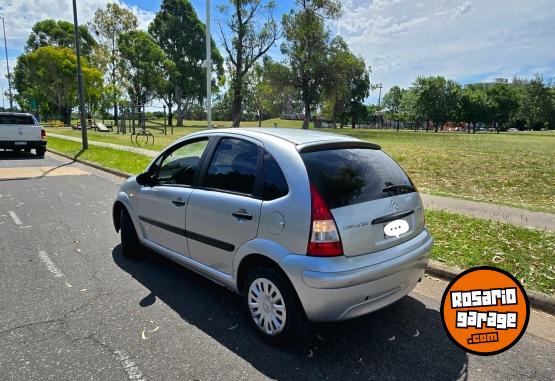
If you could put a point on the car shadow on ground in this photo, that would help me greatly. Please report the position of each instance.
(403, 341)
(12, 155)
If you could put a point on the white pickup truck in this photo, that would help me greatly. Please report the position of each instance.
(21, 132)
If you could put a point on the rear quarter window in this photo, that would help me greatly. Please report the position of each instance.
(346, 177)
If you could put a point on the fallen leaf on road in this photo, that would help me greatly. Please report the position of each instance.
(83, 290)
(320, 337)
(310, 353)
(69, 285)
(391, 338)
(233, 327)
(143, 336)
(417, 333)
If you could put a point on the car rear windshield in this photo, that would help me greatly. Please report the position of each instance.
(350, 176)
(17, 119)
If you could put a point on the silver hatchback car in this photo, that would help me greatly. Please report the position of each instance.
(303, 224)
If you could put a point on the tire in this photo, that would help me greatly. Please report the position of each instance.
(40, 151)
(289, 312)
(130, 246)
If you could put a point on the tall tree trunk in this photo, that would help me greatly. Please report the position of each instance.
(307, 116)
(170, 114)
(237, 104)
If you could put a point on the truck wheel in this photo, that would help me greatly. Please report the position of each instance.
(272, 305)
(130, 246)
(40, 151)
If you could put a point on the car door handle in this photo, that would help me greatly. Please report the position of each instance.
(242, 215)
(178, 203)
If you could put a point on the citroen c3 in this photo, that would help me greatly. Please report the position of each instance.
(304, 225)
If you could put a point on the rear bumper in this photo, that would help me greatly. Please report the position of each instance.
(332, 289)
(28, 144)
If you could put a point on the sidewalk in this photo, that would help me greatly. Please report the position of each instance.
(140, 151)
(494, 212)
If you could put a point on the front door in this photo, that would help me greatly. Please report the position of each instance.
(224, 213)
(162, 206)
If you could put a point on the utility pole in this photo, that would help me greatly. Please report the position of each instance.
(80, 79)
(7, 64)
(208, 67)
(380, 86)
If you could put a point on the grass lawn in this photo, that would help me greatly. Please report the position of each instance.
(127, 162)
(515, 169)
(468, 242)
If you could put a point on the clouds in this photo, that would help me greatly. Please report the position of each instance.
(465, 40)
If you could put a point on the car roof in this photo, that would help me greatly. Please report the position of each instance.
(292, 135)
(14, 113)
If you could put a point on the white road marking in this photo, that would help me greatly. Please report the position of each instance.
(49, 264)
(129, 366)
(15, 218)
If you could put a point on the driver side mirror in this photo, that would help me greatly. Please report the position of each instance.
(148, 177)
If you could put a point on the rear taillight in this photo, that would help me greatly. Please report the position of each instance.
(42, 134)
(324, 238)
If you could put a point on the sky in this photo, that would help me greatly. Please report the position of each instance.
(465, 40)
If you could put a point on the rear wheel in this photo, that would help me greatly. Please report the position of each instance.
(272, 305)
(130, 246)
(40, 151)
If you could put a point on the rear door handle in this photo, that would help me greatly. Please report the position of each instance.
(178, 203)
(242, 215)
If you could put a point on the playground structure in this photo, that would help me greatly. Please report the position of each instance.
(133, 121)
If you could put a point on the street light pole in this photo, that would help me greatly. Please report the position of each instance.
(7, 64)
(208, 67)
(80, 79)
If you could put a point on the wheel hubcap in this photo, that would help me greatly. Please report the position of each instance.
(267, 306)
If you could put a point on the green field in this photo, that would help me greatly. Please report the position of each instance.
(469, 242)
(515, 169)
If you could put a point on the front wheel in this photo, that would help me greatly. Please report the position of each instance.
(272, 305)
(130, 245)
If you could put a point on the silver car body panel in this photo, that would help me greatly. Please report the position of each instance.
(371, 274)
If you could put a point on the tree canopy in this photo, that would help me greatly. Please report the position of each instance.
(48, 75)
(58, 33)
(177, 29)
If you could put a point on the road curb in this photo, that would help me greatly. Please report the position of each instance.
(114, 172)
(538, 300)
(435, 269)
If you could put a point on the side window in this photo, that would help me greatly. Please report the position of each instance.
(180, 166)
(275, 185)
(233, 167)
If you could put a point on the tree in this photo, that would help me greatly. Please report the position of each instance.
(48, 75)
(182, 36)
(249, 40)
(437, 99)
(143, 63)
(108, 25)
(535, 101)
(391, 103)
(503, 103)
(475, 105)
(58, 33)
(307, 47)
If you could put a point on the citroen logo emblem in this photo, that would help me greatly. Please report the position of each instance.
(394, 206)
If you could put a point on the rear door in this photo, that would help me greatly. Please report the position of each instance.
(373, 201)
(224, 213)
(162, 207)
(19, 128)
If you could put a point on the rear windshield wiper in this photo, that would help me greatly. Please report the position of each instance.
(399, 187)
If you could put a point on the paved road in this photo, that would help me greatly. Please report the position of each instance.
(71, 307)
